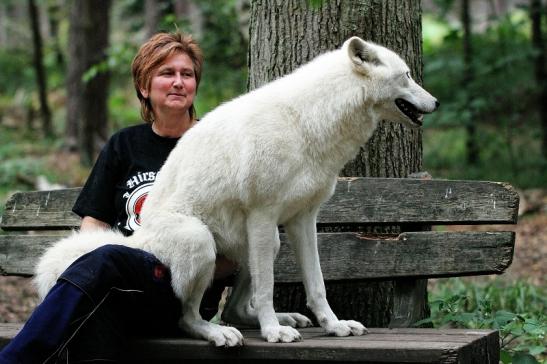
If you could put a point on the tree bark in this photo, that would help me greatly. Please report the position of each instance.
(87, 110)
(536, 14)
(41, 78)
(286, 34)
(152, 16)
(468, 76)
(190, 11)
(56, 13)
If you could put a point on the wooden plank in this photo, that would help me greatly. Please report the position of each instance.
(345, 256)
(408, 200)
(380, 346)
(41, 210)
(356, 201)
(19, 253)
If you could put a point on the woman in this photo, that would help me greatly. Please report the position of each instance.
(116, 291)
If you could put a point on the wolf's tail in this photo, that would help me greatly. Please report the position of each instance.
(63, 253)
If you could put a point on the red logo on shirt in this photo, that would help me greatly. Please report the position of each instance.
(134, 204)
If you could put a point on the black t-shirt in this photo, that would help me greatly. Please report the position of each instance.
(122, 177)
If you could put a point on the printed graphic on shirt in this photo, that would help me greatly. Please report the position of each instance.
(135, 199)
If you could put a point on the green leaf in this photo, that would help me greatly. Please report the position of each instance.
(536, 350)
(504, 317)
(522, 358)
(422, 322)
(315, 3)
(505, 357)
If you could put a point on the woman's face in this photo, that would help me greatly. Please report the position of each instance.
(173, 85)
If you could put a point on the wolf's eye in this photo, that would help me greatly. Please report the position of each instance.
(408, 75)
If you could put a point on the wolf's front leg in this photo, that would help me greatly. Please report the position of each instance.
(238, 309)
(263, 241)
(302, 233)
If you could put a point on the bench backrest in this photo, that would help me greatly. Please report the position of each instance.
(371, 228)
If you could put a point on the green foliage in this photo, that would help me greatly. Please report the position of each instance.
(22, 158)
(316, 4)
(501, 100)
(225, 53)
(517, 310)
(13, 76)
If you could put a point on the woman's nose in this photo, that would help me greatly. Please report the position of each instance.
(178, 80)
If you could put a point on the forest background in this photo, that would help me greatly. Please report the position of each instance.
(65, 86)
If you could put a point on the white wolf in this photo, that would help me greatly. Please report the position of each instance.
(267, 158)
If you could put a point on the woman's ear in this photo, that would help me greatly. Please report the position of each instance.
(144, 92)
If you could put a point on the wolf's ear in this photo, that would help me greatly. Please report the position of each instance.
(362, 54)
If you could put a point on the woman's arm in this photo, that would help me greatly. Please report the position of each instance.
(91, 223)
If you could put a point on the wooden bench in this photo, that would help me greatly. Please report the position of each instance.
(368, 207)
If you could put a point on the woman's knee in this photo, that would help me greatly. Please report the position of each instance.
(110, 266)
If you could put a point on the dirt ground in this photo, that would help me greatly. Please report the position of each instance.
(18, 297)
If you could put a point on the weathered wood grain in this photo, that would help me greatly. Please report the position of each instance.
(41, 210)
(408, 200)
(380, 346)
(344, 256)
(356, 201)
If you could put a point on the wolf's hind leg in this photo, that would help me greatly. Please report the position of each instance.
(187, 246)
(192, 322)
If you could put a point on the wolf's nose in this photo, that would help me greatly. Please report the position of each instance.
(437, 104)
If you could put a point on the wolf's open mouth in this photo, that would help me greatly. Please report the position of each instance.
(410, 110)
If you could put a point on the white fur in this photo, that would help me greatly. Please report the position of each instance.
(267, 158)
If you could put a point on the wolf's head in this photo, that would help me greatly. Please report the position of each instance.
(395, 96)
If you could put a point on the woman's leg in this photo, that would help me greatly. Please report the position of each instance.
(48, 325)
(103, 298)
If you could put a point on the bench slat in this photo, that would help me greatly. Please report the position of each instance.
(407, 200)
(41, 210)
(356, 200)
(379, 346)
(344, 256)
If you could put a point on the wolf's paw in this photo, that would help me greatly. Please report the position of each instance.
(293, 319)
(283, 334)
(346, 328)
(225, 336)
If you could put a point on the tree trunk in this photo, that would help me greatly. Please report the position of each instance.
(536, 13)
(285, 34)
(56, 13)
(41, 79)
(87, 111)
(75, 70)
(191, 12)
(468, 76)
(152, 15)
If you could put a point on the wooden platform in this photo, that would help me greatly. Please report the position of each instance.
(379, 346)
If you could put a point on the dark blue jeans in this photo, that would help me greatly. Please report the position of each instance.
(105, 297)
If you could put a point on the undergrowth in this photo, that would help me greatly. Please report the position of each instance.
(516, 309)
